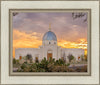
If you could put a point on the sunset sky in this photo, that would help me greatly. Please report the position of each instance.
(29, 28)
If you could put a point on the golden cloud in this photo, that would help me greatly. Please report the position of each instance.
(24, 40)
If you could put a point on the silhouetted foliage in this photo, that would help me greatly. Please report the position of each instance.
(79, 15)
(15, 13)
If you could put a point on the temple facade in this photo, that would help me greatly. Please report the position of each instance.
(49, 49)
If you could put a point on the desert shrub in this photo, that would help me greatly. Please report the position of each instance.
(56, 69)
(33, 66)
(33, 70)
(44, 64)
(59, 62)
(64, 69)
(16, 65)
(51, 60)
(23, 66)
(17, 61)
(25, 62)
(26, 70)
(19, 70)
(50, 67)
(60, 69)
(41, 70)
(68, 64)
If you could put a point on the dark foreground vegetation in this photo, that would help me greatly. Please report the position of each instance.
(49, 66)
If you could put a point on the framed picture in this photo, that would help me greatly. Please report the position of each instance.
(46, 54)
(50, 42)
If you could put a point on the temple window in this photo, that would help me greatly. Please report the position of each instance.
(78, 58)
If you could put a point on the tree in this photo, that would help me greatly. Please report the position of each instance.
(70, 57)
(29, 57)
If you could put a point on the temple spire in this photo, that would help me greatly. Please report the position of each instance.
(50, 27)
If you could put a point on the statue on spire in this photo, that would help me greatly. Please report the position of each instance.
(50, 27)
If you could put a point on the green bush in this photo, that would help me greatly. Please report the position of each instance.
(44, 66)
(68, 64)
(59, 62)
(17, 61)
(23, 66)
(14, 61)
(49, 66)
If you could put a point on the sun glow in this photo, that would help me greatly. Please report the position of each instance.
(81, 43)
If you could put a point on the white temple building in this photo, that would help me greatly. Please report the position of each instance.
(49, 49)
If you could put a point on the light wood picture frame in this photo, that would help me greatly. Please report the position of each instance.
(61, 6)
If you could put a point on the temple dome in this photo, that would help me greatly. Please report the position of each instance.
(49, 36)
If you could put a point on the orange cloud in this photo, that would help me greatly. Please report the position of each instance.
(81, 43)
(24, 40)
